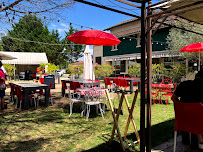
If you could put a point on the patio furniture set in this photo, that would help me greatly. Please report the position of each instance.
(21, 92)
(86, 91)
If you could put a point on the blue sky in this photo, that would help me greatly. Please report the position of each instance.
(87, 16)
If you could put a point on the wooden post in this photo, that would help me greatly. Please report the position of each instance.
(143, 66)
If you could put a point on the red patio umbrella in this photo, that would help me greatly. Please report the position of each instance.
(94, 37)
(195, 47)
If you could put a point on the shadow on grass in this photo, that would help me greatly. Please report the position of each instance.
(159, 133)
(24, 146)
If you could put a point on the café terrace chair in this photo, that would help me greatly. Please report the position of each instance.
(64, 86)
(169, 94)
(20, 97)
(124, 83)
(90, 103)
(108, 83)
(188, 118)
(42, 94)
(166, 81)
(74, 99)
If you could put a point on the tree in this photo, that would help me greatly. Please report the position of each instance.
(30, 35)
(72, 50)
(12, 9)
(178, 38)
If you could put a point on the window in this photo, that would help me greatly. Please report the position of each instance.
(98, 60)
(114, 48)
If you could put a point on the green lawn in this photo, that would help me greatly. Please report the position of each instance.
(51, 129)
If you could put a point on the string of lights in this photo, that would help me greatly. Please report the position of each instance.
(23, 40)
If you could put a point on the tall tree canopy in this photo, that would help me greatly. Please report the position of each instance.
(73, 51)
(30, 35)
(177, 39)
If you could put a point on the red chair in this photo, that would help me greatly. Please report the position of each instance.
(12, 93)
(124, 83)
(170, 93)
(108, 82)
(64, 86)
(21, 97)
(77, 85)
(134, 83)
(120, 77)
(166, 81)
(41, 80)
(116, 81)
(188, 118)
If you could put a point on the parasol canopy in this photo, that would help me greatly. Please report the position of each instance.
(195, 47)
(88, 71)
(94, 37)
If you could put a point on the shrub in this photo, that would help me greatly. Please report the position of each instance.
(76, 70)
(104, 70)
(9, 69)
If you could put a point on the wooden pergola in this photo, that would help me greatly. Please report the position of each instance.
(189, 10)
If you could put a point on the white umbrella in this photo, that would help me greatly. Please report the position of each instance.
(88, 72)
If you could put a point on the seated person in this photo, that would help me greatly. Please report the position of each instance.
(190, 92)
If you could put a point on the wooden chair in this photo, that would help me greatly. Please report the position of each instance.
(188, 118)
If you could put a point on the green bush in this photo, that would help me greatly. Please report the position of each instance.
(9, 69)
(104, 70)
(51, 68)
(76, 70)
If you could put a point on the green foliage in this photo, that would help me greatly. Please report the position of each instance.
(104, 70)
(134, 71)
(159, 72)
(178, 71)
(31, 28)
(76, 70)
(51, 67)
(177, 39)
(9, 69)
(73, 52)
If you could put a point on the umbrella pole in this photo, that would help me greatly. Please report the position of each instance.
(199, 62)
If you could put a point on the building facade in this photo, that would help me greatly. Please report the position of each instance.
(128, 51)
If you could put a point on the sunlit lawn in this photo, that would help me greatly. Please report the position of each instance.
(51, 129)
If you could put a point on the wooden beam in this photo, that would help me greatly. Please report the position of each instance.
(128, 3)
(157, 3)
(107, 8)
(159, 25)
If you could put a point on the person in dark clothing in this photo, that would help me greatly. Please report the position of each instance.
(191, 91)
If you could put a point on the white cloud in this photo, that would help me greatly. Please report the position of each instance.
(61, 30)
(53, 25)
(64, 25)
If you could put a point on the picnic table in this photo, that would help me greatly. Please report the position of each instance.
(31, 86)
